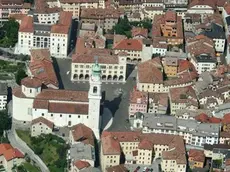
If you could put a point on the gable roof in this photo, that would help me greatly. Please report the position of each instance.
(44, 121)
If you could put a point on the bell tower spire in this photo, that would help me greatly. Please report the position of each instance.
(94, 96)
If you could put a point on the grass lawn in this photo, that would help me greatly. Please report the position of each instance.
(25, 136)
(50, 148)
(30, 168)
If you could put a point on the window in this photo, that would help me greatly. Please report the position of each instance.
(78, 116)
(30, 90)
(51, 115)
(42, 114)
(94, 89)
(60, 115)
(69, 116)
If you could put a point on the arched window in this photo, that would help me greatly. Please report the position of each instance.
(94, 89)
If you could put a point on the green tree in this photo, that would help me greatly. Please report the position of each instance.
(20, 75)
(147, 24)
(5, 121)
(123, 27)
(9, 33)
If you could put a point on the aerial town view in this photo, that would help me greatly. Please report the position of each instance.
(114, 85)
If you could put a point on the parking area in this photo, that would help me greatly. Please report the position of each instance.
(116, 94)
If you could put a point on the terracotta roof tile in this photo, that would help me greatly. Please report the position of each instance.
(183, 95)
(145, 144)
(202, 3)
(68, 108)
(63, 95)
(111, 146)
(129, 44)
(64, 23)
(26, 24)
(226, 119)
(89, 58)
(202, 117)
(100, 13)
(41, 66)
(117, 168)
(225, 134)
(197, 155)
(17, 16)
(9, 152)
(200, 45)
(82, 133)
(81, 164)
(138, 97)
(170, 15)
(44, 121)
(31, 82)
(40, 104)
(138, 31)
(150, 72)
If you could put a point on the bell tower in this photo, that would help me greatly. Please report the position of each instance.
(94, 96)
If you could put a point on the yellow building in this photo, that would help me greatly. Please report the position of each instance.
(196, 158)
(170, 66)
(140, 148)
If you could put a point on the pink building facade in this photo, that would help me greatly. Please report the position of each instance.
(138, 102)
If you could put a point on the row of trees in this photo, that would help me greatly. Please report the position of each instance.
(124, 26)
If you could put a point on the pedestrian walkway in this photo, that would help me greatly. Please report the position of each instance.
(18, 143)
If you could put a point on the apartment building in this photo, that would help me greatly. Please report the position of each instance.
(151, 11)
(113, 66)
(170, 66)
(35, 35)
(158, 103)
(150, 76)
(10, 157)
(41, 126)
(182, 98)
(175, 3)
(3, 95)
(104, 18)
(196, 158)
(9, 7)
(132, 47)
(202, 7)
(160, 46)
(138, 102)
(138, 149)
(193, 132)
(169, 26)
(75, 7)
(191, 21)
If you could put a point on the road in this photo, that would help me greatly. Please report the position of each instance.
(19, 144)
(117, 104)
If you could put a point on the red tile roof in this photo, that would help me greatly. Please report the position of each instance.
(68, 108)
(170, 15)
(64, 23)
(226, 119)
(26, 24)
(44, 121)
(31, 82)
(17, 16)
(138, 31)
(40, 104)
(89, 58)
(136, 95)
(81, 164)
(111, 143)
(150, 72)
(117, 168)
(227, 8)
(129, 44)
(145, 144)
(197, 155)
(63, 95)
(82, 133)
(9, 152)
(202, 117)
(210, 3)
(41, 66)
